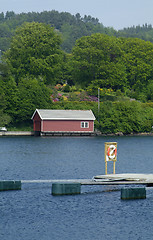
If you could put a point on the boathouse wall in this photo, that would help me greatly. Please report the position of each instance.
(66, 126)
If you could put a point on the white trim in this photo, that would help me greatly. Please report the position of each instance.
(35, 113)
(62, 114)
(84, 124)
(41, 126)
(87, 119)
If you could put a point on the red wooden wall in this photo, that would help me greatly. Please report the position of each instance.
(36, 123)
(66, 126)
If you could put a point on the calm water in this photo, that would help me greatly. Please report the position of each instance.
(98, 213)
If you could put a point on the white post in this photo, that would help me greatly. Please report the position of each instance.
(98, 104)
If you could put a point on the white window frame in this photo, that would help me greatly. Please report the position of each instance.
(84, 124)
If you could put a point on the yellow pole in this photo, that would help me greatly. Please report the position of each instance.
(114, 167)
(105, 167)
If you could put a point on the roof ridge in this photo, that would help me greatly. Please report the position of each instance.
(62, 114)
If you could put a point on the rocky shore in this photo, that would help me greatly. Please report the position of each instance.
(122, 134)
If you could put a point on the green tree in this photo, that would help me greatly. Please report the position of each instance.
(1, 17)
(4, 117)
(149, 91)
(138, 61)
(9, 15)
(32, 94)
(98, 57)
(20, 100)
(126, 117)
(71, 27)
(35, 51)
(9, 92)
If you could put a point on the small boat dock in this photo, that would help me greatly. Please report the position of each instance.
(125, 179)
(110, 179)
(73, 186)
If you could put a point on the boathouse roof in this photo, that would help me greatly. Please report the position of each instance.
(47, 114)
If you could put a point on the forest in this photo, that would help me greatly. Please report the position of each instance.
(60, 61)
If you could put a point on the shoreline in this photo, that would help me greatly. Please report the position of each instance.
(31, 133)
(126, 135)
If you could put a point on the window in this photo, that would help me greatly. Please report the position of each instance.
(84, 124)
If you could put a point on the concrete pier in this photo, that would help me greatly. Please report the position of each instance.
(10, 185)
(66, 188)
(133, 193)
(17, 133)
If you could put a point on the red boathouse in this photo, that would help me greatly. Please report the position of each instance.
(63, 122)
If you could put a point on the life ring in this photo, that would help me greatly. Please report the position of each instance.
(111, 151)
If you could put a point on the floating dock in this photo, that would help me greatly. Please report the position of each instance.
(125, 179)
(110, 179)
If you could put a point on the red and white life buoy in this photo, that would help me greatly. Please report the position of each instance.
(111, 152)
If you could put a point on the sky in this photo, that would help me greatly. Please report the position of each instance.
(111, 13)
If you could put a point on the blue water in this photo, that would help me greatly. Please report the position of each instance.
(98, 213)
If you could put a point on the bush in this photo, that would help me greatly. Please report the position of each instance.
(66, 88)
(126, 116)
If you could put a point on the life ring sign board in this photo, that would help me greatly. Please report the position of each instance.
(110, 154)
(110, 151)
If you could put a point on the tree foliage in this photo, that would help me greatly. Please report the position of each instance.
(110, 62)
(35, 52)
(72, 27)
(18, 101)
(126, 117)
(32, 94)
(4, 117)
(98, 57)
(138, 61)
(144, 32)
